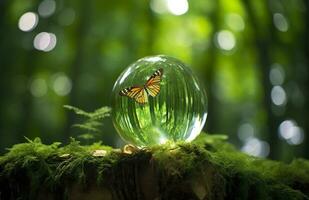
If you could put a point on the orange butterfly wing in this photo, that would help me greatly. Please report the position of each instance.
(141, 97)
(153, 83)
(140, 94)
(135, 92)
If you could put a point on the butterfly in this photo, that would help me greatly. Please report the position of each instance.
(140, 93)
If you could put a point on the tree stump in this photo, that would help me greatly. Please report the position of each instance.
(208, 169)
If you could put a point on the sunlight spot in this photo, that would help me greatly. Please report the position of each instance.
(41, 41)
(38, 87)
(174, 7)
(226, 40)
(256, 147)
(52, 43)
(62, 84)
(276, 74)
(47, 8)
(292, 133)
(99, 153)
(285, 129)
(245, 131)
(297, 137)
(235, 21)
(28, 21)
(155, 59)
(158, 6)
(280, 22)
(177, 7)
(45, 41)
(278, 96)
(162, 140)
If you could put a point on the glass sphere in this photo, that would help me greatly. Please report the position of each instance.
(158, 99)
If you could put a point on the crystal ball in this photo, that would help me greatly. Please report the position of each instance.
(158, 99)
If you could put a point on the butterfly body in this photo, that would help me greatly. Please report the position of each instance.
(140, 93)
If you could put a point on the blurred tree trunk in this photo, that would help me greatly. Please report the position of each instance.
(78, 62)
(263, 40)
(5, 69)
(208, 63)
(27, 100)
(306, 86)
(15, 92)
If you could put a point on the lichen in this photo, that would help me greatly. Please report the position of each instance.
(209, 167)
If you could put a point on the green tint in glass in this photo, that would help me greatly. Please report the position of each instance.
(177, 112)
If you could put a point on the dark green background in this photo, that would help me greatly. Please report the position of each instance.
(97, 40)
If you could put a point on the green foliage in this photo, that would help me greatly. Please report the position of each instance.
(92, 121)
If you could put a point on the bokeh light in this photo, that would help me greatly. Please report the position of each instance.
(177, 7)
(62, 84)
(235, 21)
(47, 8)
(297, 136)
(174, 7)
(158, 6)
(255, 147)
(278, 96)
(45, 41)
(28, 21)
(225, 40)
(280, 22)
(276, 74)
(38, 87)
(245, 131)
(289, 131)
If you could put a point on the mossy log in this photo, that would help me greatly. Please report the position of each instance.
(208, 168)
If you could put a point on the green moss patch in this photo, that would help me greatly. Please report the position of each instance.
(208, 168)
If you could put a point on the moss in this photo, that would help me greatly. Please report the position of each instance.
(208, 168)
